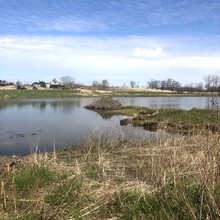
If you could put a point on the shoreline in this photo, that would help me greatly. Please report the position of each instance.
(30, 93)
(117, 180)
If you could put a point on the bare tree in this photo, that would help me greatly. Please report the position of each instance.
(105, 83)
(153, 84)
(95, 83)
(199, 87)
(132, 84)
(163, 84)
(212, 82)
(68, 81)
(124, 85)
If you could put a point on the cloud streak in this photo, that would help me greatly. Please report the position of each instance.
(149, 53)
(89, 58)
(107, 16)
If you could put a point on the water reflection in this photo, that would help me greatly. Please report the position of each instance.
(27, 122)
(58, 104)
(167, 102)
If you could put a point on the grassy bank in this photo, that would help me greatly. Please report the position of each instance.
(172, 120)
(62, 93)
(15, 94)
(169, 178)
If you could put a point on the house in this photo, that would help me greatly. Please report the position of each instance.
(54, 84)
(38, 85)
(5, 83)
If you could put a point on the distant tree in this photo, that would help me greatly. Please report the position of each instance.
(199, 87)
(68, 81)
(54, 81)
(189, 87)
(172, 85)
(208, 82)
(95, 83)
(105, 84)
(124, 85)
(163, 84)
(132, 84)
(212, 82)
(153, 84)
(18, 83)
(42, 84)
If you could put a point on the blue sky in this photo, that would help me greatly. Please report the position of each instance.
(117, 40)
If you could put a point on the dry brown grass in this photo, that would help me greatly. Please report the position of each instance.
(105, 167)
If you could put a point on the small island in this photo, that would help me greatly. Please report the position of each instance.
(172, 120)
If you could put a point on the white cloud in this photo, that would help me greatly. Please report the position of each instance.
(193, 62)
(91, 58)
(149, 53)
(23, 44)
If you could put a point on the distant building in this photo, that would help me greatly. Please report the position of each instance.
(54, 84)
(5, 83)
(38, 85)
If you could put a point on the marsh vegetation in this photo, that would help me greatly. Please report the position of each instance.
(170, 178)
(111, 177)
(172, 120)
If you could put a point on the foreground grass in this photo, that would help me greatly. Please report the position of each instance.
(168, 178)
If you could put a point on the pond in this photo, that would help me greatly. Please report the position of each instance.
(30, 124)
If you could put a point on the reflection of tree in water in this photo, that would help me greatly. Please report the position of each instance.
(40, 105)
(43, 105)
(65, 106)
(6, 104)
(2, 107)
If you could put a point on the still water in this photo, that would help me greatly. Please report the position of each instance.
(29, 123)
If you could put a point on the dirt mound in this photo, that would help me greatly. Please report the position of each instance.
(106, 103)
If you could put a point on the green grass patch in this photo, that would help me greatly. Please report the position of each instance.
(188, 202)
(172, 120)
(31, 178)
(14, 94)
(193, 116)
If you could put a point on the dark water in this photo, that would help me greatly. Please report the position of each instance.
(26, 123)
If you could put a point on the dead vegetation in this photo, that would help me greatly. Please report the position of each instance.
(105, 103)
(111, 178)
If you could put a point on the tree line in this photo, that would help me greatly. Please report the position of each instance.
(211, 84)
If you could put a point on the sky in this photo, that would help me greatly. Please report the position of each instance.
(116, 40)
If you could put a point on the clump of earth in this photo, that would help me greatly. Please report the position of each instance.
(105, 103)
